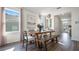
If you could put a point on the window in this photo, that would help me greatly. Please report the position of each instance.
(11, 20)
(49, 23)
(42, 21)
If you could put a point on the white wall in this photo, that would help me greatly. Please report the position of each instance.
(25, 15)
(57, 24)
(75, 27)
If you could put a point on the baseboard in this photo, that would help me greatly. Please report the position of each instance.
(9, 43)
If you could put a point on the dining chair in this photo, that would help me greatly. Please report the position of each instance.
(27, 38)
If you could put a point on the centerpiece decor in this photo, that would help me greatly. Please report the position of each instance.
(40, 27)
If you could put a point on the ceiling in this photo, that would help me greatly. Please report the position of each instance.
(49, 10)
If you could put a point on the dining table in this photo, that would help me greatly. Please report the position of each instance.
(38, 40)
(37, 33)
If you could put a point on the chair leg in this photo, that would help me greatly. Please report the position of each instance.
(23, 44)
(26, 46)
(45, 46)
(41, 46)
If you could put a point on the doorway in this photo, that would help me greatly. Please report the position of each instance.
(66, 23)
(62, 24)
(11, 24)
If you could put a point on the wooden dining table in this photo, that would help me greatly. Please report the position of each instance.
(41, 33)
(38, 40)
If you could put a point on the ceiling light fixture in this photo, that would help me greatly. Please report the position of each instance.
(58, 7)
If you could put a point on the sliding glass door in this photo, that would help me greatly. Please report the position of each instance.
(11, 24)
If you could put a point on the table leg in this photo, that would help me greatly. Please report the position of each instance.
(50, 34)
(56, 39)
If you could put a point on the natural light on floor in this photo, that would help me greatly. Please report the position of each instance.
(11, 49)
(61, 43)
